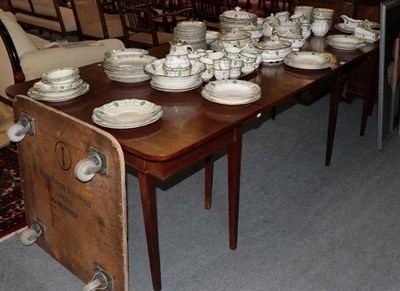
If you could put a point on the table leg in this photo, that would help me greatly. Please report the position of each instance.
(234, 164)
(208, 175)
(333, 112)
(149, 205)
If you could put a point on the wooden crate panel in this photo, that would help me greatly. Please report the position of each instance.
(85, 222)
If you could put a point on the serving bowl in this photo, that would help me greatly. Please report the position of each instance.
(274, 50)
(156, 73)
(61, 76)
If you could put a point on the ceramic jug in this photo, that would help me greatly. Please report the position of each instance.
(350, 22)
(320, 27)
(178, 55)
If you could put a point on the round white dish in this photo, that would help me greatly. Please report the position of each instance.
(156, 86)
(308, 60)
(103, 123)
(127, 111)
(342, 28)
(345, 42)
(231, 92)
(60, 97)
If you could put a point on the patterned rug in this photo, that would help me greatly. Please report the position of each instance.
(12, 214)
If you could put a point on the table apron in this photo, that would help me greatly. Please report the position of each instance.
(163, 170)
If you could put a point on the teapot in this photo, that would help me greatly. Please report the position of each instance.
(178, 56)
(320, 27)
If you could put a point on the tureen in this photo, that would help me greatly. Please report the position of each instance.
(274, 50)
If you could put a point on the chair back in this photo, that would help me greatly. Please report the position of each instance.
(97, 19)
(209, 10)
(137, 18)
(279, 5)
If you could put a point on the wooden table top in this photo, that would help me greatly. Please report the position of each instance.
(189, 120)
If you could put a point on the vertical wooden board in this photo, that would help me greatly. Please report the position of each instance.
(85, 223)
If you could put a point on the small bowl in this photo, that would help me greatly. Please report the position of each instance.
(61, 75)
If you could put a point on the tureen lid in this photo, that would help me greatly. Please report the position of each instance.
(238, 14)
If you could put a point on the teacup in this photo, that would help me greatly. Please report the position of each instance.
(223, 64)
(232, 52)
(236, 68)
(249, 67)
(222, 74)
(209, 72)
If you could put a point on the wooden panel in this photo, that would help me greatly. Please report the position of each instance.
(85, 223)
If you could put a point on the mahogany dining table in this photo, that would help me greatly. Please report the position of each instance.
(192, 128)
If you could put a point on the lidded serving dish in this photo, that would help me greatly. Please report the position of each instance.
(275, 49)
(236, 18)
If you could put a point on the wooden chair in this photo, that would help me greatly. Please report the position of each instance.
(45, 15)
(97, 19)
(140, 23)
(208, 11)
(273, 6)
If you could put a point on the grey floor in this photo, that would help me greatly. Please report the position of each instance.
(302, 226)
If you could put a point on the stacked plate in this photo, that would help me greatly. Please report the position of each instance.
(231, 92)
(126, 65)
(59, 85)
(127, 113)
(192, 32)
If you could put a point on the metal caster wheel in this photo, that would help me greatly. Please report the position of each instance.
(86, 169)
(100, 281)
(16, 132)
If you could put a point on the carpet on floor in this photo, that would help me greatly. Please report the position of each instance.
(12, 214)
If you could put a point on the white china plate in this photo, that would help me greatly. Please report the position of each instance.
(345, 42)
(231, 92)
(308, 60)
(127, 78)
(60, 98)
(342, 28)
(156, 86)
(60, 93)
(128, 62)
(127, 111)
(225, 101)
